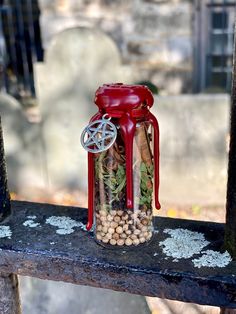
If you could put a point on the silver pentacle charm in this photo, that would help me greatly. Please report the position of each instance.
(99, 135)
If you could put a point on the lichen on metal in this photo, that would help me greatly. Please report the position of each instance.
(31, 217)
(212, 258)
(5, 232)
(183, 243)
(31, 223)
(65, 224)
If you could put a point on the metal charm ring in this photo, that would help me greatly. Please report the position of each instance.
(99, 135)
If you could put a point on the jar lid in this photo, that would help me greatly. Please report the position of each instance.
(123, 97)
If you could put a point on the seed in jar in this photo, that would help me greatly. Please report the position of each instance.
(137, 231)
(142, 240)
(113, 242)
(144, 229)
(103, 218)
(130, 222)
(109, 218)
(129, 212)
(114, 224)
(128, 241)
(102, 213)
(99, 237)
(145, 234)
(128, 231)
(109, 236)
(119, 229)
(149, 235)
(113, 212)
(132, 227)
(136, 241)
(139, 226)
(124, 216)
(104, 229)
(111, 230)
(115, 236)
(120, 242)
(105, 224)
(99, 228)
(125, 227)
(116, 219)
(123, 236)
(105, 240)
(133, 236)
(119, 212)
(103, 234)
(144, 221)
(134, 216)
(121, 223)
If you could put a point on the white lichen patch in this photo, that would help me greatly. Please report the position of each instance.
(31, 223)
(31, 217)
(183, 243)
(5, 232)
(212, 259)
(65, 224)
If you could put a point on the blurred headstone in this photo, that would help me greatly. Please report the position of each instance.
(78, 60)
(23, 149)
(47, 297)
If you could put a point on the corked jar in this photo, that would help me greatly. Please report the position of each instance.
(122, 140)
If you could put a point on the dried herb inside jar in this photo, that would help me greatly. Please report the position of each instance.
(115, 224)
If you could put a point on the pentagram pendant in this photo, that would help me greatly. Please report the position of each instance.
(99, 135)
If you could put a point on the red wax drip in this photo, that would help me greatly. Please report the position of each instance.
(152, 119)
(127, 126)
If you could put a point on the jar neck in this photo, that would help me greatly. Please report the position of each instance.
(134, 113)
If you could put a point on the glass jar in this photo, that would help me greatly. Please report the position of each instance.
(123, 165)
(115, 224)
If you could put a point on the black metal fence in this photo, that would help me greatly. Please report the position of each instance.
(20, 46)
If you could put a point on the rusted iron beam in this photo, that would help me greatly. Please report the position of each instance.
(37, 248)
(230, 228)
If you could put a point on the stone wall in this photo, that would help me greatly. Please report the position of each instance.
(154, 37)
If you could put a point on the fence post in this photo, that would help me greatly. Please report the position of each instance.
(230, 227)
(9, 294)
(5, 206)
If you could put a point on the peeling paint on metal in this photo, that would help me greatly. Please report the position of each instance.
(65, 224)
(212, 259)
(5, 232)
(183, 243)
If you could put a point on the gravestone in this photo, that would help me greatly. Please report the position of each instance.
(23, 149)
(77, 62)
(48, 297)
